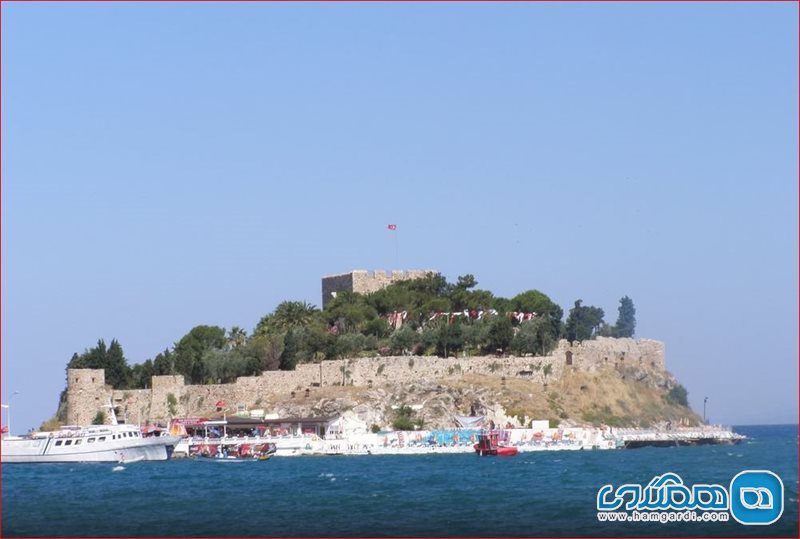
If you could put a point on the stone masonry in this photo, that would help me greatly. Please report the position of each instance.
(365, 282)
(169, 397)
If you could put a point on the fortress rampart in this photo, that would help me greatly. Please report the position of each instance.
(365, 282)
(169, 397)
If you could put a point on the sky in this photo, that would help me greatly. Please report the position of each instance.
(171, 165)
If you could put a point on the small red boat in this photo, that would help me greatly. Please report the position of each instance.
(488, 445)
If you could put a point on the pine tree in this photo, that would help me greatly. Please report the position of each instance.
(118, 373)
(289, 355)
(583, 322)
(626, 320)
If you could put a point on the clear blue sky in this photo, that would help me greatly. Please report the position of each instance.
(170, 165)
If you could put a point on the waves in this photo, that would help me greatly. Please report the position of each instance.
(542, 494)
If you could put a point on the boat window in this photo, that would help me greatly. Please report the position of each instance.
(101, 439)
(68, 442)
(59, 442)
(90, 441)
(78, 442)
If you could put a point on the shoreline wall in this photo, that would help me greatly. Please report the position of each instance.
(170, 397)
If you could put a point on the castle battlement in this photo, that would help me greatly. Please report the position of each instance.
(169, 395)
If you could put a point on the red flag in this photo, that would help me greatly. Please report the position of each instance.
(392, 227)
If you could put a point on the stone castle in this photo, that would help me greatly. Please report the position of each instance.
(168, 396)
(365, 282)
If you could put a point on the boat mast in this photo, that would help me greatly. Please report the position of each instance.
(113, 415)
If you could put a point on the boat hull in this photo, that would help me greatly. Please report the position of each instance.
(43, 450)
(496, 451)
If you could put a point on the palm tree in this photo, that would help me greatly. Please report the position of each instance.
(236, 337)
(292, 314)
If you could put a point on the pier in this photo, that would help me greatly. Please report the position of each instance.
(704, 435)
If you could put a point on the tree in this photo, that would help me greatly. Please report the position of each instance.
(225, 366)
(236, 337)
(349, 345)
(404, 419)
(289, 354)
(534, 337)
(348, 311)
(502, 305)
(111, 360)
(459, 293)
(293, 314)
(626, 319)
(312, 340)
(501, 332)
(377, 327)
(190, 349)
(476, 334)
(450, 339)
(118, 373)
(164, 363)
(539, 303)
(583, 321)
(533, 301)
(267, 350)
(678, 395)
(403, 339)
(141, 374)
(264, 326)
(466, 282)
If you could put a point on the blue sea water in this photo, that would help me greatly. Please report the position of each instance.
(532, 494)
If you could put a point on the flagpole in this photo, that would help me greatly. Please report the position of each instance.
(396, 251)
(393, 228)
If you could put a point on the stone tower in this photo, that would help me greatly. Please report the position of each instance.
(87, 394)
(364, 282)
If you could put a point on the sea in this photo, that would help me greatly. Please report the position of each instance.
(462, 495)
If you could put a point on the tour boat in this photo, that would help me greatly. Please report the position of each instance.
(96, 443)
(488, 445)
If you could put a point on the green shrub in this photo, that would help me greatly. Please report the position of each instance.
(172, 404)
(404, 419)
(678, 395)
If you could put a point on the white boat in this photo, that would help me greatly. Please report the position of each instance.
(100, 443)
(97, 443)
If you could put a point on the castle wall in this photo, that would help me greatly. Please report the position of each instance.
(87, 390)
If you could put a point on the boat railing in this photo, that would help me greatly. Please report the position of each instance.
(250, 439)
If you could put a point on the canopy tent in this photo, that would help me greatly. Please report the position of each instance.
(469, 422)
